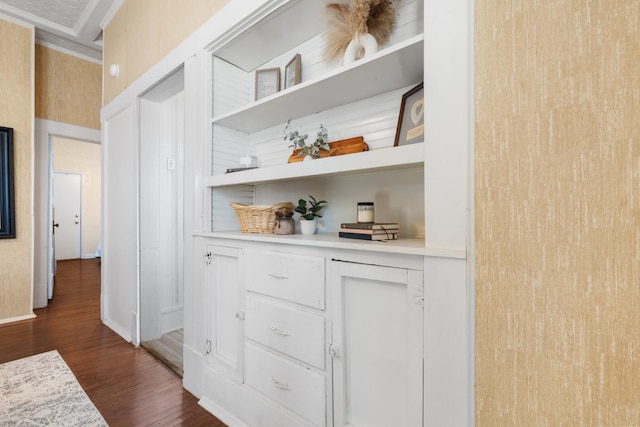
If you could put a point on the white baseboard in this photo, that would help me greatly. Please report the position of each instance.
(118, 330)
(192, 375)
(220, 413)
(17, 319)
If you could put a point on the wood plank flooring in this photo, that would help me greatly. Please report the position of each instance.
(127, 384)
(168, 349)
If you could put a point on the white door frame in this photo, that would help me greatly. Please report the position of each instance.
(45, 130)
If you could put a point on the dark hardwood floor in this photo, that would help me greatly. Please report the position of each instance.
(127, 385)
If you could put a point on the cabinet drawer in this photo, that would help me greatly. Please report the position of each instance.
(295, 278)
(298, 389)
(290, 331)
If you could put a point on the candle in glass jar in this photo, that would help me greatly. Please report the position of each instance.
(365, 212)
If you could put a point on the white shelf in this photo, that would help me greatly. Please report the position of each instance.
(392, 68)
(404, 245)
(390, 158)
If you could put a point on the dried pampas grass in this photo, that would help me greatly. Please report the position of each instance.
(338, 35)
(376, 17)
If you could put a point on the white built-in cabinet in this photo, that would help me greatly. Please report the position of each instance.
(313, 330)
(312, 337)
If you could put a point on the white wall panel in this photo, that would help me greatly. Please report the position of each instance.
(222, 216)
(120, 224)
(231, 87)
(398, 197)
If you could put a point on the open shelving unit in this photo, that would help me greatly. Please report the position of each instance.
(347, 95)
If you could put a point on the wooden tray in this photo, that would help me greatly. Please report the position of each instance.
(337, 148)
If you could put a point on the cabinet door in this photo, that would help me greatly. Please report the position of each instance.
(377, 345)
(225, 308)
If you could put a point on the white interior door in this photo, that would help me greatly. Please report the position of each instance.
(67, 197)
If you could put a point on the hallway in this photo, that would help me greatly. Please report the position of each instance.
(127, 385)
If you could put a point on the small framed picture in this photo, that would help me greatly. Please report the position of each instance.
(411, 120)
(267, 82)
(293, 72)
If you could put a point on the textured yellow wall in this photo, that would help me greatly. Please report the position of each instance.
(145, 31)
(84, 158)
(558, 212)
(16, 111)
(68, 89)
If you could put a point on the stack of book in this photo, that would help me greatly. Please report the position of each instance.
(370, 231)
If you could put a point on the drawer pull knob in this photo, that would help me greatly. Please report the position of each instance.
(278, 276)
(278, 384)
(279, 332)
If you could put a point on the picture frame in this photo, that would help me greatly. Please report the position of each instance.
(293, 72)
(267, 82)
(410, 128)
(7, 195)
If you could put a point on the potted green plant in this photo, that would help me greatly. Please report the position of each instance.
(309, 211)
(299, 141)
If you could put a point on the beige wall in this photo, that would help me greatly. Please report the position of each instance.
(68, 89)
(36, 81)
(558, 212)
(144, 31)
(83, 158)
(16, 111)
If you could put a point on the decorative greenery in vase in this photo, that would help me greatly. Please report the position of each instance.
(310, 213)
(298, 141)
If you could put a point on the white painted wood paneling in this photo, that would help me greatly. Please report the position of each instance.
(228, 147)
(196, 123)
(161, 209)
(170, 236)
(222, 215)
(397, 196)
(231, 86)
(120, 224)
(449, 395)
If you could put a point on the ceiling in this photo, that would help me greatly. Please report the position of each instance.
(71, 25)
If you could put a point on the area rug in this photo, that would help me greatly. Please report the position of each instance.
(41, 390)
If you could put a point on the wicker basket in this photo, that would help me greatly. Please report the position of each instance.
(258, 218)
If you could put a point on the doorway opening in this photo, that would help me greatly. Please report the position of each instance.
(74, 202)
(161, 220)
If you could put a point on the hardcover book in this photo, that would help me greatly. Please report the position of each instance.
(362, 236)
(364, 231)
(370, 226)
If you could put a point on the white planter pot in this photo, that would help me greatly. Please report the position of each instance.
(307, 227)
